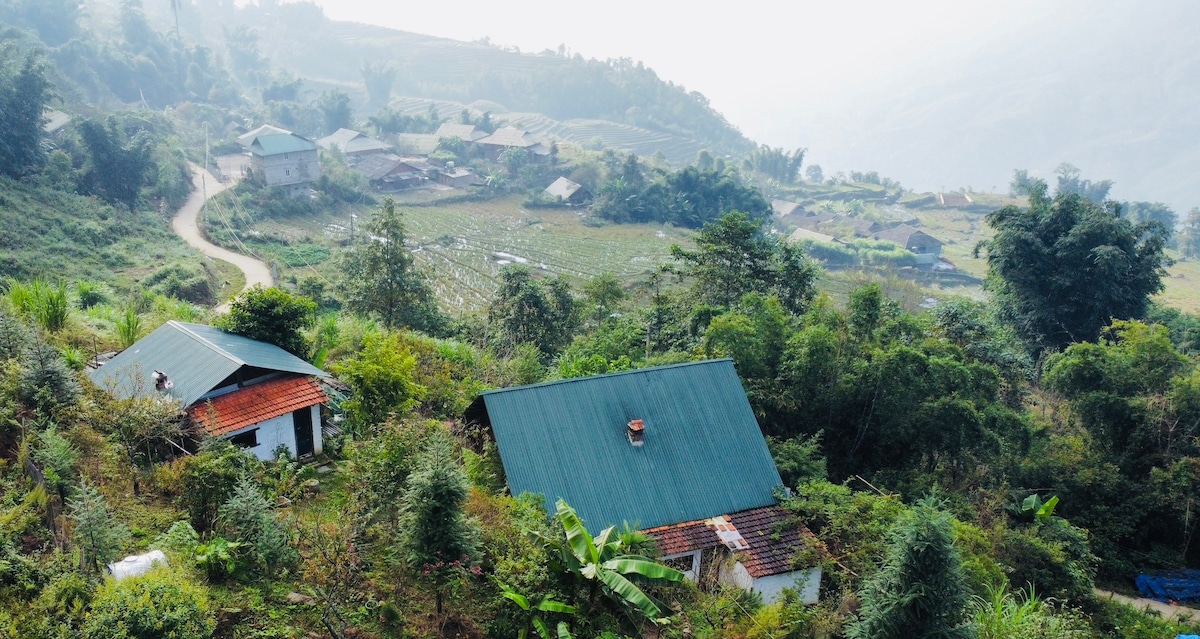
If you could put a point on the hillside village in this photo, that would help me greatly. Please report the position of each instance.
(604, 371)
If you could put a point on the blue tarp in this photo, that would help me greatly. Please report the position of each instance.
(1182, 586)
(1187, 636)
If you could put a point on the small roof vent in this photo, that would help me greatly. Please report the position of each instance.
(636, 432)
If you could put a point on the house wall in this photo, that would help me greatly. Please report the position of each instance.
(283, 169)
(807, 582)
(280, 431)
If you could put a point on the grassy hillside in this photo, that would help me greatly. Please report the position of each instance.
(58, 236)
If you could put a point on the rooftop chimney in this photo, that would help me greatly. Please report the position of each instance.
(636, 432)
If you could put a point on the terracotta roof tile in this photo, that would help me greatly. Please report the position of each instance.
(254, 404)
(769, 540)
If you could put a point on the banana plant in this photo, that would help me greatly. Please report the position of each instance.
(599, 560)
(545, 604)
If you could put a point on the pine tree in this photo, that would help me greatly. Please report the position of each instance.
(920, 593)
(98, 535)
(436, 540)
(247, 518)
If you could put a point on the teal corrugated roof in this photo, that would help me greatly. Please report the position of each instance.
(281, 143)
(195, 357)
(703, 455)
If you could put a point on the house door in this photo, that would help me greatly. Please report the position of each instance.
(302, 423)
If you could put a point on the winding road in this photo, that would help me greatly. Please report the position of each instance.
(186, 226)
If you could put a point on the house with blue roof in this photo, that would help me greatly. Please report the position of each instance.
(674, 450)
(281, 158)
(256, 395)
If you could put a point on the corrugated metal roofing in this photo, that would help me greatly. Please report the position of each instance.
(703, 453)
(195, 358)
(350, 141)
(562, 187)
(281, 143)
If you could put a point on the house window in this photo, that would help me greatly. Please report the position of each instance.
(686, 562)
(287, 156)
(248, 439)
(287, 172)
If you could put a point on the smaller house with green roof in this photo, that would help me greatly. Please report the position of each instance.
(673, 450)
(256, 395)
(281, 158)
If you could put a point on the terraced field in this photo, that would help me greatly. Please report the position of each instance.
(464, 246)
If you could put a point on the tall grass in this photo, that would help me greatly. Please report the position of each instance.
(44, 303)
(1001, 615)
(129, 328)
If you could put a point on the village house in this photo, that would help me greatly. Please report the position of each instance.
(456, 177)
(927, 248)
(256, 395)
(281, 158)
(567, 192)
(468, 133)
(674, 450)
(353, 145)
(512, 138)
(784, 208)
(386, 172)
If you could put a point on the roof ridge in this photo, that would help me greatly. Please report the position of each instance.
(592, 377)
(183, 327)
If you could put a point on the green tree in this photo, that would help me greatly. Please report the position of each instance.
(381, 279)
(383, 378)
(271, 315)
(920, 592)
(378, 78)
(1190, 235)
(1064, 267)
(734, 257)
(528, 311)
(24, 93)
(116, 169)
(247, 518)
(436, 539)
(335, 110)
(97, 533)
(1069, 183)
(603, 293)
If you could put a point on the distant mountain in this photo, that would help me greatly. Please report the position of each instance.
(622, 103)
(1111, 87)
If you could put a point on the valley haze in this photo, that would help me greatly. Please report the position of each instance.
(935, 94)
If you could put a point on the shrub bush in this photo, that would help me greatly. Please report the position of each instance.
(152, 606)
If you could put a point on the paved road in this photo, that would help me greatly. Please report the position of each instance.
(186, 227)
(1168, 610)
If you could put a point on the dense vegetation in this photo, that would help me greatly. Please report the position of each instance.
(970, 470)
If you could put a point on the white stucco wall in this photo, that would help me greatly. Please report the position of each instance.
(281, 430)
(807, 582)
(297, 168)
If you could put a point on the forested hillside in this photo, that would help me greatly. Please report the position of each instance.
(953, 467)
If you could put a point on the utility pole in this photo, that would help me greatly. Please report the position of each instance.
(205, 145)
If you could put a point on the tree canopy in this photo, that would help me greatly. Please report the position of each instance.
(271, 315)
(734, 257)
(24, 92)
(381, 279)
(1063, 267)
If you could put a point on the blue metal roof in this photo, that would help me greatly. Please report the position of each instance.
(703, 453)
(195, 357)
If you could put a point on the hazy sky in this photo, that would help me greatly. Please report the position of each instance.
(759, 62)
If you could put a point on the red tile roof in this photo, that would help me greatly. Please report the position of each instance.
(771, 538)
(254, 404)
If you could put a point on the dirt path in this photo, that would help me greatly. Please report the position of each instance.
(1169, 611)
(186, 226)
